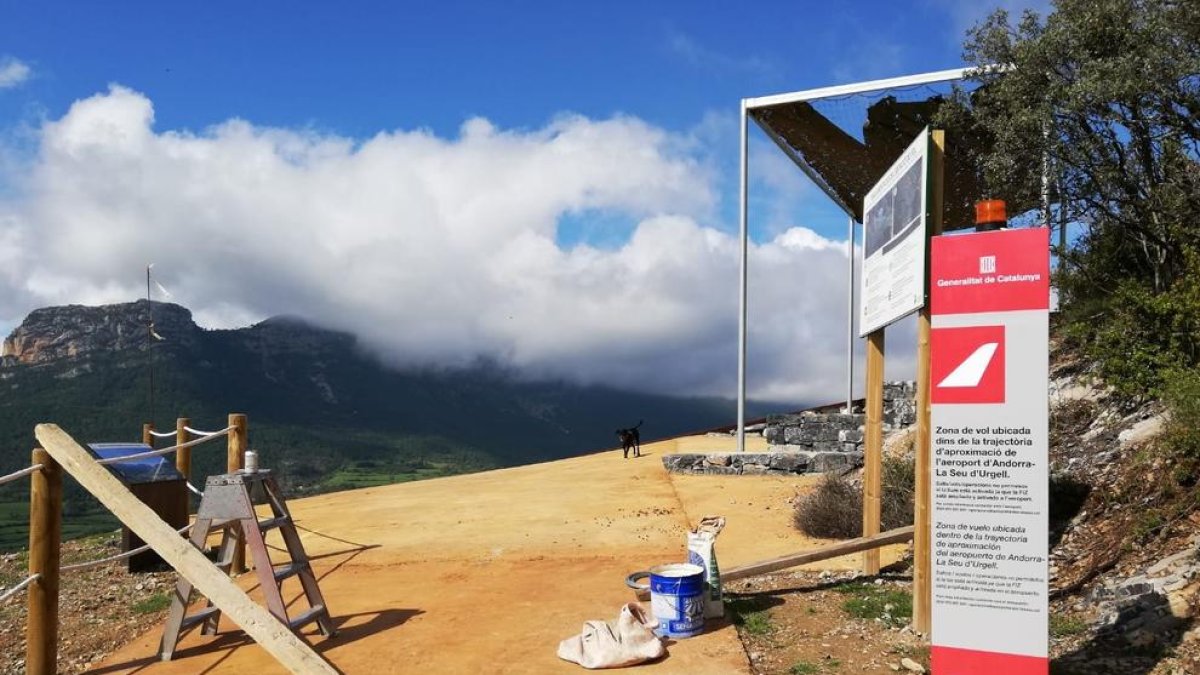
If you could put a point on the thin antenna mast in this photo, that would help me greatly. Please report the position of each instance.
(150, 341)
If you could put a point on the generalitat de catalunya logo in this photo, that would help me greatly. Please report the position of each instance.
(967, 364)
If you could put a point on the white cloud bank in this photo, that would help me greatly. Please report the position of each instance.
(432, 250)
(13, 72)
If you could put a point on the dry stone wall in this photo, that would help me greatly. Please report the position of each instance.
(806, 442)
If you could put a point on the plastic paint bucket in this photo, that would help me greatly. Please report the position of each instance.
(677, 599)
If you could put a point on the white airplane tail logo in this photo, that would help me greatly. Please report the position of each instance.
(970, 372)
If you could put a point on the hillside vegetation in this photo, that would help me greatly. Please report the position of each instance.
(1101, 98)
(1096, 112)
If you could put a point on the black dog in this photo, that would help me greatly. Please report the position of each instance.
(631, 440)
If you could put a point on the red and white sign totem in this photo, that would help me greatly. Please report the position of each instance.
(989, 306)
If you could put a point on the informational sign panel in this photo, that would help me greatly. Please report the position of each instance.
(989, 306)
(894, 242)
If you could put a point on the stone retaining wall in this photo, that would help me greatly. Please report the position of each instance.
(761, 463)
(806, 442)
(814, 432)
(899, 405)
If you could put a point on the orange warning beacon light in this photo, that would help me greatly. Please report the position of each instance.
(990, 215)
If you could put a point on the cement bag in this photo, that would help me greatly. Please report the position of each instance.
(702, 551)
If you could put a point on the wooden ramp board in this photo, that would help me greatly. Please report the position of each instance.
(288, 648)
(897, 536)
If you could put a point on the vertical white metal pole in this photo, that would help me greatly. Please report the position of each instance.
(850, 314)
(745, 236)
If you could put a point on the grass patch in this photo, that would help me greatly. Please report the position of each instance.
(889, 605)
(1146, 524)
(750, 614)
(810, 668)
(758, 623)
(1065, 625)
(152, 604)
(14, 573)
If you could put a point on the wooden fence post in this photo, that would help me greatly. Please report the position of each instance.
(235, 456)
(183, 459)
(183, 456)
(148, 434)
(45, 538)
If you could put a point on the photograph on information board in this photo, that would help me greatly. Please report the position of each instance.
(893, 265)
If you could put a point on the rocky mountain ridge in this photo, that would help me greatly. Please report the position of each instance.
(55, 334)
(73, 331)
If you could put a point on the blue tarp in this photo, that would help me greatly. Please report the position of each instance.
(137, 471)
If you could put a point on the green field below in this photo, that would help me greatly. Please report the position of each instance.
(14, 524)
(14, 513)
(371, 474)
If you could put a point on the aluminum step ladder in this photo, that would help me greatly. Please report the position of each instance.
(228, 505)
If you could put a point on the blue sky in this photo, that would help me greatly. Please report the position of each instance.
(359, 67)
(454, 98)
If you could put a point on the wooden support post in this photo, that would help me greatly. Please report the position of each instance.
(272, 635)
(147, 434)
(873, 461)
(235, 456)
(922, 523)
(922, 568)
(45, 538)
(183, 458)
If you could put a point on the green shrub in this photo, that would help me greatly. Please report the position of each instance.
(1181, 392)
(1143, 341)
(834, 509)
(1146, 524)
(897, 503)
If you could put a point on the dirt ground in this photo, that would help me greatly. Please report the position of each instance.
(488, 572)
(100, 608)
(797, 623)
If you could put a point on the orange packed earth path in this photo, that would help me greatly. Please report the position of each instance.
(486, 573)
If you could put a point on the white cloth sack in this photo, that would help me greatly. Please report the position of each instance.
(627, 641)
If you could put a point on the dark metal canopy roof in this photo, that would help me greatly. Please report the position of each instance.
(846, 168)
